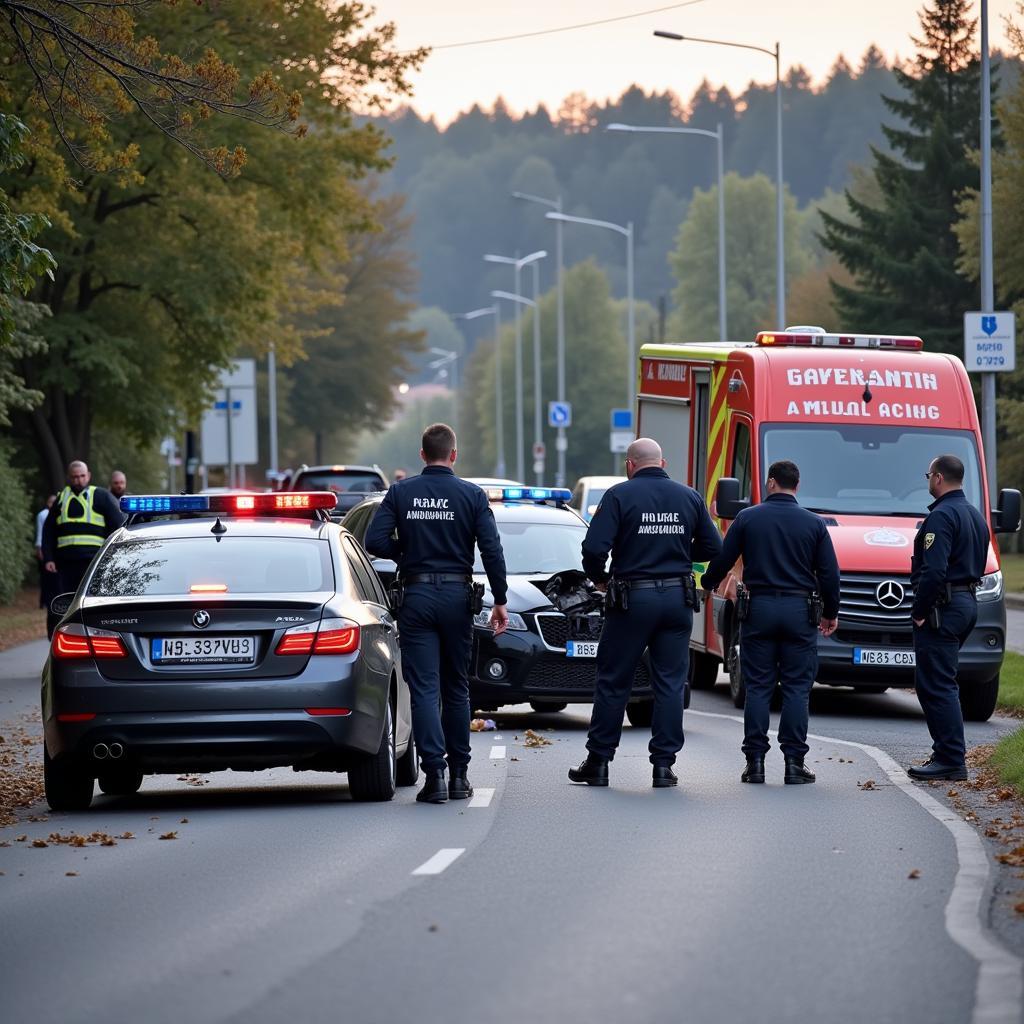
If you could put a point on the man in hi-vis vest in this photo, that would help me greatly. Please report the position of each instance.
(80, 520)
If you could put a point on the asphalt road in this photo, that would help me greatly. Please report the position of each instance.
(716, 902)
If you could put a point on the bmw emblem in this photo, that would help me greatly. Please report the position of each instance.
(889, 594)
(201, 619)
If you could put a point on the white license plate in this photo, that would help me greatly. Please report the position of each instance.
(581, 648)
(203, 650)
(867, 656)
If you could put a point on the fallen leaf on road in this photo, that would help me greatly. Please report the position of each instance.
(991, 832)
(534, 739)
(869, 784)
(916, 873)
(169, 835)
(71, 874)
(1019, 907)
(184, 821)
(952, 792)
(126, 835)
(40, 844)
(1014, 857)
(513, 758)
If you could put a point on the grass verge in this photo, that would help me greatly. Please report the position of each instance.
(1013, 572)
(1008, 757)
(22, 620)
(1011, 683)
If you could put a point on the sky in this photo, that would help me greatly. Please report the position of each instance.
(603, 61)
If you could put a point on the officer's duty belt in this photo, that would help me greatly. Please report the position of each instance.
(437, 577)
(768, 592)
(672, 581)
(963, 588)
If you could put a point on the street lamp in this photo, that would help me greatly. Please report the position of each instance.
(556, 204)
(627, 231)
(499, 410)
(780, 241)
(717, 136)
(448, 357)
(988, 291)
(517, 264)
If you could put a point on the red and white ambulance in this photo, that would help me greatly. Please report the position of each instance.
(862, 416)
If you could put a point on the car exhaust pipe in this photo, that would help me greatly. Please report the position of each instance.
(101, 751)
(116, 750)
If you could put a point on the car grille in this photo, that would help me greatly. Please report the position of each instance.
(858, 600)
(553, 628)
(872, 638)
(573, 674)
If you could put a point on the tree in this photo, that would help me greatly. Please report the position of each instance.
(903, 251)
(749, 260)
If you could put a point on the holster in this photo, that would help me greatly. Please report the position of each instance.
(691, 597)
(476, 598)
(815, 606)
(935, 616)
(616, 596)
(396, 595)
(742, 603)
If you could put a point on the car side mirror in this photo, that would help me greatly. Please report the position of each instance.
(728, 503)
(1006, 518)
(386, 570)
(60, 604)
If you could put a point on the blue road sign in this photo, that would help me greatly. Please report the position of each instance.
(559, 414)
(622, 419)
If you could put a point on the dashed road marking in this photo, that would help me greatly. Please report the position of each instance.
(497, 752)
(481, 797)
(440, 860)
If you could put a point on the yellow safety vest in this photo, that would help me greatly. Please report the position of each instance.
(79, 525)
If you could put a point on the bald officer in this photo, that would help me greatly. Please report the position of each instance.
(654, 529)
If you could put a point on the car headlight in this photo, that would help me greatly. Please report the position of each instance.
(991, 588)
(515, 621)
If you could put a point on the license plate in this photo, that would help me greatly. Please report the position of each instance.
(203, 650)
(581, 648)
(867, 656)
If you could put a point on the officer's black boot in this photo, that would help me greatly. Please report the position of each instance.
(754, 772)
(662, 777)
(797, 774)
(593, 771)
(932, 770)
(435, 790)
(458, 785)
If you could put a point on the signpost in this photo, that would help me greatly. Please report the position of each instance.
(559, 414)
(990, 342)
(229, 436)
(621, 436)
(539, 451)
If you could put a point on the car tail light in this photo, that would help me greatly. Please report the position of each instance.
(329, 636)
(320, 712)
(79, 716)
(74, 641)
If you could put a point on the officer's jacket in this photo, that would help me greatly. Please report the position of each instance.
(951, 546)
(784, 547)
(439, 518)
(654, 527)
(78, 524)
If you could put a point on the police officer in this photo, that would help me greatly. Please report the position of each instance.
(787, 557)
(654, 529)
(950, 552)
(118, 484)
(429, 525)
(81, 518)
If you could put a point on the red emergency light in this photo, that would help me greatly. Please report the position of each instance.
(892, 341)
(262, 504)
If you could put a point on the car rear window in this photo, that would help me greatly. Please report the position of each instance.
(340, 483)
(244, 565)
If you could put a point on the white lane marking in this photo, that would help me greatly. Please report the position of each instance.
(497, 753)
(440, 860)
(481, 797)
(999, 991)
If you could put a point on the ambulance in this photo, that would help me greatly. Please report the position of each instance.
(862, 416)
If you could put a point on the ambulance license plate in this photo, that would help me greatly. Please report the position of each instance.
(867, 656)
(206, 650)
(581, 648)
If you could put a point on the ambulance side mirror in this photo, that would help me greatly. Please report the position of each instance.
(1006, 518)
(728, 503)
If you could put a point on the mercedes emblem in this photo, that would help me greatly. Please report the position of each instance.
(201, 619)
(889, 594)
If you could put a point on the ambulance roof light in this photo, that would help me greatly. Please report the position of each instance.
(810, 338)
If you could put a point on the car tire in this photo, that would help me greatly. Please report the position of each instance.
(125, 782)
(374, 778)
(737, 688)
(407, 771)
(978, 700)
(704, 673)
(541, 708)
(67, 787)
(640, 713)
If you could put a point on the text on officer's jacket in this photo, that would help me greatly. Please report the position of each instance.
(660, 522)
(429, 508)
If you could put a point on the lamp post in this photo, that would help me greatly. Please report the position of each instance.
(445, 358)
(272, 408)
(499, 409)
(717, 136)
(556, 204)
(988, 291)
(626, 231)
(517, 264)
(780, 241)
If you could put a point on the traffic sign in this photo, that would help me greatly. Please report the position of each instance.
(622, 419)
(620, 440)
(539, 451)
(990, 342)
(232, 441)
(559, 414)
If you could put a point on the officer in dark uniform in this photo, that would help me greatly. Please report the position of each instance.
(950, 552)
(429, 524)
(654, 528)
(792, 577)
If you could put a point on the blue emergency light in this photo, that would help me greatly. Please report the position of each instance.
(528, 493)
(165, 503)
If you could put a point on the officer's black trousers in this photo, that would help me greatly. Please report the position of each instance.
(436, 637)
(69, 575)
(657, 620)
(777, 643)
(937, 652)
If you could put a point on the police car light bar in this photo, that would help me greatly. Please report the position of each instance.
(230, 504)
(528, 493)
(839, 340)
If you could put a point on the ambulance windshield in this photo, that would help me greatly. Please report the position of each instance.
(868, 470)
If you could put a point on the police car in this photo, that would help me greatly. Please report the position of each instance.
(241, 631)
(544, 658)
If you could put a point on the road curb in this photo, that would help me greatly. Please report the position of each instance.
(1015, 601)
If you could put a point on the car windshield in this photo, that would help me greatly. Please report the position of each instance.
(869, 470)
(339, 482)
(244, 565)
(539, 548)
